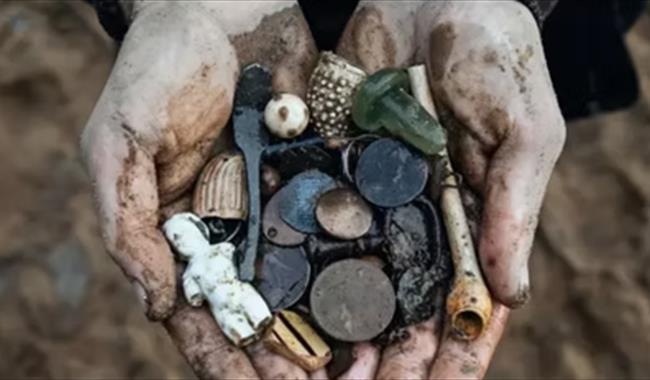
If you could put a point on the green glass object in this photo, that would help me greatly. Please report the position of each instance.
(382, 100)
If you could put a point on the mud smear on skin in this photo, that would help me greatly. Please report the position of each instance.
(283, 42)
(441, 44)
(367, 43)
(140, 253)
(196, 117)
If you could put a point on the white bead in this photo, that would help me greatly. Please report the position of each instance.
(286, 116)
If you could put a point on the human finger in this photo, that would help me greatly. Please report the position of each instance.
(459, 359)
(210, 354)
(270, 365)
(366, 359)
(411, 358)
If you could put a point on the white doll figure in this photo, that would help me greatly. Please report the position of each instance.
(242, 314)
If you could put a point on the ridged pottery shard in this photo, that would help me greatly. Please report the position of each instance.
(221, 189)
(282, 275)
(298, 202)
(352, 300)
(293, 338)
(344, 214)
(389, 174)
(276, 230)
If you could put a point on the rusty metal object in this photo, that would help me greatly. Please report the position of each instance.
(352, 300)
(323, 250)
(344, 214)
(221, 188)
(413, 234)
(291, 337)
(329, 97)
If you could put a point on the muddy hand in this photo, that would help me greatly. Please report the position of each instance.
(493, 93)
(165, 103)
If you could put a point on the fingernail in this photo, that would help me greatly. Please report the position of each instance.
(522, 293)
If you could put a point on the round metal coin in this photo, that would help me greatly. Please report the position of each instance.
(344, 214)
(277, 230)
(390, 174)
(352, 300)
(282, 275)
(298, 201)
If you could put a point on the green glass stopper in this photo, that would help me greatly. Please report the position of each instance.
(382, 100)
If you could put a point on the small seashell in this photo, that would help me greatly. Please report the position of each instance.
(329, 97)
(286, 116)
(293, 338)
(221, 189)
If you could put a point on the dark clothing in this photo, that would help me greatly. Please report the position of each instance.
(589, 63)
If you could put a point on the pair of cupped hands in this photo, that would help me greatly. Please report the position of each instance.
(170, 95)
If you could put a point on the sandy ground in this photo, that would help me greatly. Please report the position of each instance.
(67, 313)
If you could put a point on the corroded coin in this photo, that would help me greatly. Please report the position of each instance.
(282, 275)
(298, 202)
(390, 174)
(277, 230)
(344, 214)
(352, 300)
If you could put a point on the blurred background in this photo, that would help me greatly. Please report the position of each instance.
(67, 312)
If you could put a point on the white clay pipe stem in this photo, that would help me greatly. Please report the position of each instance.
(469, 304)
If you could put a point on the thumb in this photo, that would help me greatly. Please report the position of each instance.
(514, 189)
(124, 178)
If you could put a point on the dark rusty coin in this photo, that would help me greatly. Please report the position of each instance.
(390, 174)
(282, 275)
(277, 230)
(298, 201)
(344, 214)
(352, 300)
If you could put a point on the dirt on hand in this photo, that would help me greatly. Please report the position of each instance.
(67, 310)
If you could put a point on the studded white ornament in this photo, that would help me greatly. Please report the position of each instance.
(286, 116)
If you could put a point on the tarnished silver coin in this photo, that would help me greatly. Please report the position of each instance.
(352, 300)
(282, 275)
(298, 201)
(344, 214)
(390, 174)
(277, 230)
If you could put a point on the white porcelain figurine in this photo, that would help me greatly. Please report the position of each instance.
(211, 275)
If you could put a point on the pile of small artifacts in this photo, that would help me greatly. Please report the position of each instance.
(321, 230)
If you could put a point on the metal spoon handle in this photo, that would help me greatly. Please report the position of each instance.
(247, 265)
